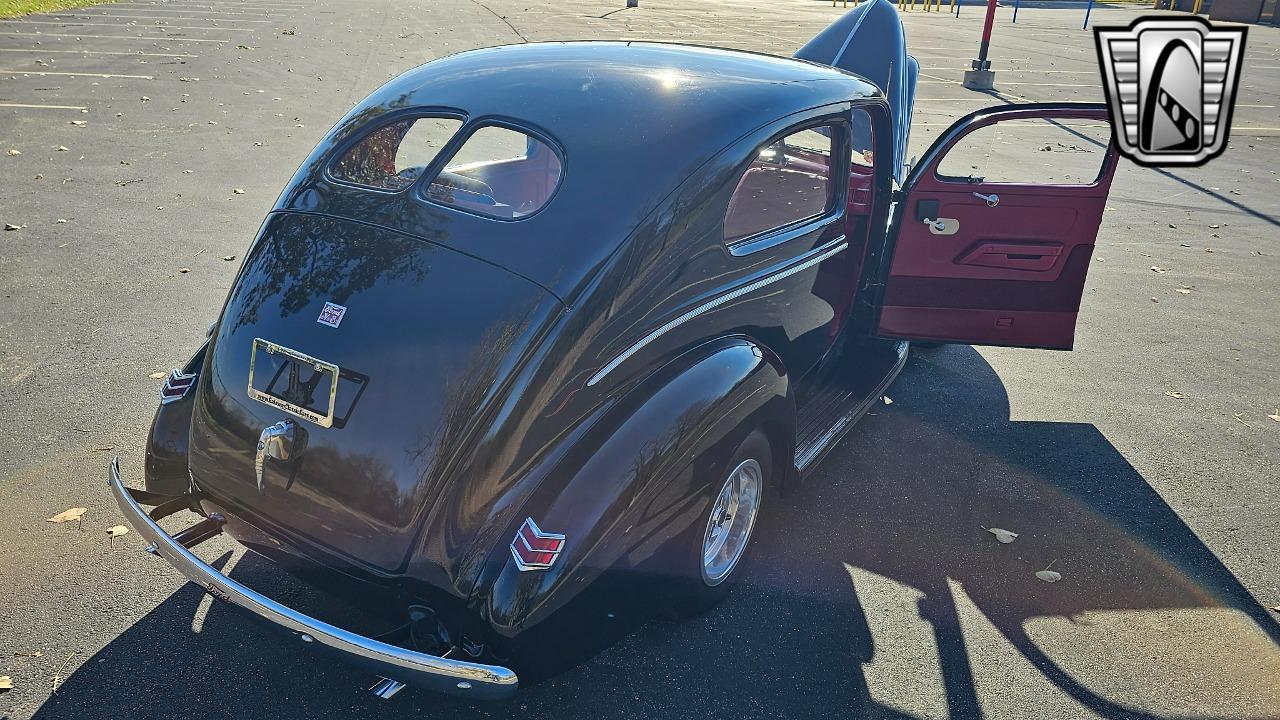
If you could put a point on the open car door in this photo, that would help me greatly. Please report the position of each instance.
(994, 229)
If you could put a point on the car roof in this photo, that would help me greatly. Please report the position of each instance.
(632, 119)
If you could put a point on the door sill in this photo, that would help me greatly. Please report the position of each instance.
(848, 391)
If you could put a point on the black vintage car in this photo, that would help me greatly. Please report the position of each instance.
(534, 315)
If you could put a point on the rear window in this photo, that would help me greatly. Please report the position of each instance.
(395, 156)
(498, 172)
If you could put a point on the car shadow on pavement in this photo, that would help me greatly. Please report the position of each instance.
(860, 600)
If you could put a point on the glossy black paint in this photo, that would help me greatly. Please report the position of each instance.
(474, 339)
(167, 441)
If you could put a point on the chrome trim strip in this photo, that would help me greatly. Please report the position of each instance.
(814, 256)
(773, 238)
(454, 677)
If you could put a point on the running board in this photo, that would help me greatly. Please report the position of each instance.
(833, 409)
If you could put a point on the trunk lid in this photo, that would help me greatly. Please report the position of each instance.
(421, 337)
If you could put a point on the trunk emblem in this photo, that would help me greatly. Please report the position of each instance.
(534, 549)
(331, 314)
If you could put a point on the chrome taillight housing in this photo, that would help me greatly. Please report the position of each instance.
(176, 386)
(534, 549)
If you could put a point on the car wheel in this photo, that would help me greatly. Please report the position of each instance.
(717, 543)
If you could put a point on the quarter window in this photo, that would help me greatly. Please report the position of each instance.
(498, 172)
(394, 156)
(788, 181)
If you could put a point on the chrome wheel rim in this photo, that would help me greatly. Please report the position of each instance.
(733, 515)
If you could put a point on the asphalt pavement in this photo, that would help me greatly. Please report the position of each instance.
(142, 142)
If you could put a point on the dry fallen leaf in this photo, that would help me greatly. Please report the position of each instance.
(79, 123)
(184, 270)
(888, 400)
(6, 683)
(1275, 417)
(1004, 536)
(1182, 291)
(237, 191)
(1173, 394)
(1049, 576)
(228, 258)
(68, 515)
(1157, 268)
(116, 531)
(13, 151)
(10, 226)
(158, 375)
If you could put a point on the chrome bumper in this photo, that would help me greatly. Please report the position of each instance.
(453, 677)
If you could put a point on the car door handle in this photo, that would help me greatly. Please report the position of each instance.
(991, 200)
(942, 226)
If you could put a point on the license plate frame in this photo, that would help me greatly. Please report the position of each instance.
(323, 420)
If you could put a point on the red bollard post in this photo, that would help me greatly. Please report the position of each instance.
(982, 77)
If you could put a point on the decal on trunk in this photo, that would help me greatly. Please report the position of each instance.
(331, 314)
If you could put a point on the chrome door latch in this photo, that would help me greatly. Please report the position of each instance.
(942, 226)
(992, 200)
(276, 441)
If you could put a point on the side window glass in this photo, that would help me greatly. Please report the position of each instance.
(498, 172)
(1038, 151)
(862, 141)
(788, 181)
(394, 156)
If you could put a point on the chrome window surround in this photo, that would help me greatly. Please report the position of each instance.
(808, 260)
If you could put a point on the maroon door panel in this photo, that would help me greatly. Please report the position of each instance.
(986, 261)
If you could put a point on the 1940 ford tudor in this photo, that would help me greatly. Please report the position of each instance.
(531, 315)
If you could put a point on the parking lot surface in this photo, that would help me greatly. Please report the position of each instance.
(142, 142)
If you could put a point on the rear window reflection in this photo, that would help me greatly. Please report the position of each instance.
(395, 156)
(498, 172)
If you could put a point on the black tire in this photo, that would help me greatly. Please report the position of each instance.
(692, 592)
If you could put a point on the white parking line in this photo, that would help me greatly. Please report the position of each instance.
(127, 25)
(217, 8)
(74, 74)
(90, 16)
(111, 37)
(120, 6)
(97, 52)
(32, 106)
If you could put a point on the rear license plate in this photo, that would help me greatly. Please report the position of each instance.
(293, 381)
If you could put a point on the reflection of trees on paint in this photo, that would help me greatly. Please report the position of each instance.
(356, 482)
(301, 259)
(466, 395)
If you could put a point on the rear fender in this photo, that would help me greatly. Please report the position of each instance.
(631, 483)
(166, 464)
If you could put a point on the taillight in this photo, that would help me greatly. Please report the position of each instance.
(176, 386)
(534, 549)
